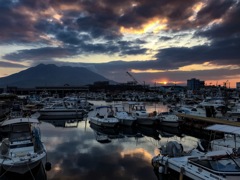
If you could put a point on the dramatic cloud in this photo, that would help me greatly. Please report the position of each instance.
(135, 35)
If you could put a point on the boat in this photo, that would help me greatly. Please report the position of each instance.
(123, 116)
(61, 110)
(218, 160)
(21, 147)
(139, 111)
(169, 119)
(103, 116)
(230, 140)
(196, 164)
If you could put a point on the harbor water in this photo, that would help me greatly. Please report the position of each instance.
(78, 150)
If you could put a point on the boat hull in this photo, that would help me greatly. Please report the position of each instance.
(127, 122)
(104, 122)
(169, 123)
(147, 121)
(22, 166)
(62, 113)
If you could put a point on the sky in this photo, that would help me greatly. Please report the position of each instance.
(159, 42)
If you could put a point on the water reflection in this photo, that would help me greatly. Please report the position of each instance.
(75, 154)
(64, 123)
(78, 153)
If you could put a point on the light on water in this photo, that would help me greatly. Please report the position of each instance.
(75, 152)
(77, 149)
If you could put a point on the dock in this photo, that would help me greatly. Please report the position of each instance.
(200, 122)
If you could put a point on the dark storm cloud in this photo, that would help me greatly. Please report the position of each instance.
(214, 9)
(41, 54)
(17, 24)
(27, 21)
(73, 38)
(225, 40)
(224, 52)
(229, 28)
(177, 13)
(94, 27)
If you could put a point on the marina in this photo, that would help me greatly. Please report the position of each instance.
(120, 90)
(114, 139)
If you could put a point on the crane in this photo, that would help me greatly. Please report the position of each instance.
(134, 80)
(225, 84)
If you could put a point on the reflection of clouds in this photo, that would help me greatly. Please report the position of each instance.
(75, 154)
(138, 151)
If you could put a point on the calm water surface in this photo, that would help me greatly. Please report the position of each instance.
(75, 151)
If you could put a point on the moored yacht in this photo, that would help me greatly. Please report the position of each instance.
(21, 148)
(63, 109)
(195, 164)
(169, 119)
(103, 116)
(139, 111)
(123, 116)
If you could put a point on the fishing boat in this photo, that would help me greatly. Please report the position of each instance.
(139, 111)
(123, 116)
(195, 164)
(169, 119)
(21, 148)
(103, 116)
(61, 110)
(230, 140)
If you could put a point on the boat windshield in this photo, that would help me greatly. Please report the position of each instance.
(20, 132)
(227, 164)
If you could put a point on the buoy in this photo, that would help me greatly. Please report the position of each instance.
(161, 169)
(48, 166)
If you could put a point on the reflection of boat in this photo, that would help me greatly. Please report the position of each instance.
(102, 138)
(104, 130)
(149, 132)
(21, 148)
(104, 134)
(128, 131)
(65, 123)
(169, 131)
(104, 117)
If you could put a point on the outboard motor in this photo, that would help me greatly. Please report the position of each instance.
(172, 149)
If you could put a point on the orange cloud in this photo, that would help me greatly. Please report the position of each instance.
(154, 25)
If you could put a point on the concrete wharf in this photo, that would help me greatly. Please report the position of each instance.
(201, 122)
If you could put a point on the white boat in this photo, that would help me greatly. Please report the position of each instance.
(103, 116)
(231, 139)
(139, 111)
(221, 165)
(169, 119)
(63, 109)
(123, 116)
(21, 148)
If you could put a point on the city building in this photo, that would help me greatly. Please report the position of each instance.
(238, 85)
(195, 84)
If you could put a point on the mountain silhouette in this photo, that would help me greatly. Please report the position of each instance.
(51, 75)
